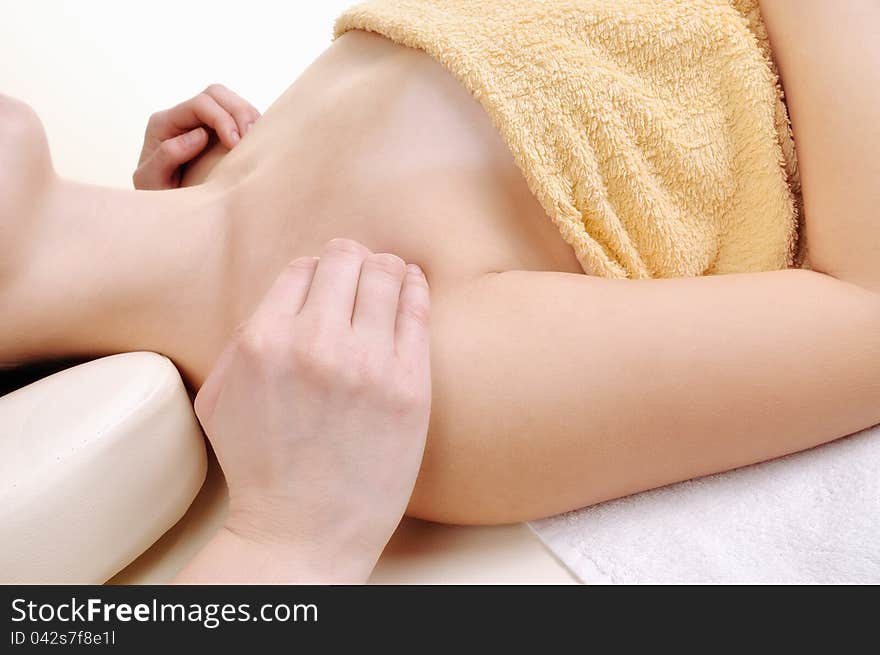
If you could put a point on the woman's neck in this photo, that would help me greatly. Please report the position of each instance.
(100, 270)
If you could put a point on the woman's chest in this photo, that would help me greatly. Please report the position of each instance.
(380, 144)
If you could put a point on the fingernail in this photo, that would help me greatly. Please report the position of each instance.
(415, 269)
(234, 136)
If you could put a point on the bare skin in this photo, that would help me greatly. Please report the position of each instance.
(317, 410)
(551, 390)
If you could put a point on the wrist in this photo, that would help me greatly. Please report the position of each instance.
(334, 545)
(231, 558)
(292, 561)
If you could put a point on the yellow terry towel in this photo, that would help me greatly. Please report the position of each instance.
(653, 133)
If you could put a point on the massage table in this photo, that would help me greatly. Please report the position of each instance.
(106, 476)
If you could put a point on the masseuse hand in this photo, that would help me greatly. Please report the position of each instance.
(178, 135)
(317, 411)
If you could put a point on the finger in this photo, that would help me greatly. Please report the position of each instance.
(334, 288)
(160, 170)
(412, 338)
(378, 294)
(202, 110)
(288, 293)
(244, 113)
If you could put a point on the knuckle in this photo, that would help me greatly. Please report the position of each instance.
(155, 119)
(267, 351)
(344, 246)
(314, 355)
(363, 373)
(387, 263)
(214, 88)
(250, 342)
(203, 101)
(317, 366)
(404, 399)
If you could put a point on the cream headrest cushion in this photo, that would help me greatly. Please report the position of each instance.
(96, 463)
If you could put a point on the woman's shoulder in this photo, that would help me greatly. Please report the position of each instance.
(24, 148)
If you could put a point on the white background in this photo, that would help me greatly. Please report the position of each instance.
(95, 70)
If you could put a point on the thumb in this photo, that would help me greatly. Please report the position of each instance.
(160, 169)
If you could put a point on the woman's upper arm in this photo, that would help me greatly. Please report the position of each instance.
(553, 391)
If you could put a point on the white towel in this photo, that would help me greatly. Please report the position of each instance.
(811, 517)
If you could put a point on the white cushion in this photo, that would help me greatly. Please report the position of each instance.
(96, 463)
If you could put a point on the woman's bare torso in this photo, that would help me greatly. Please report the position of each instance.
(378, 143)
